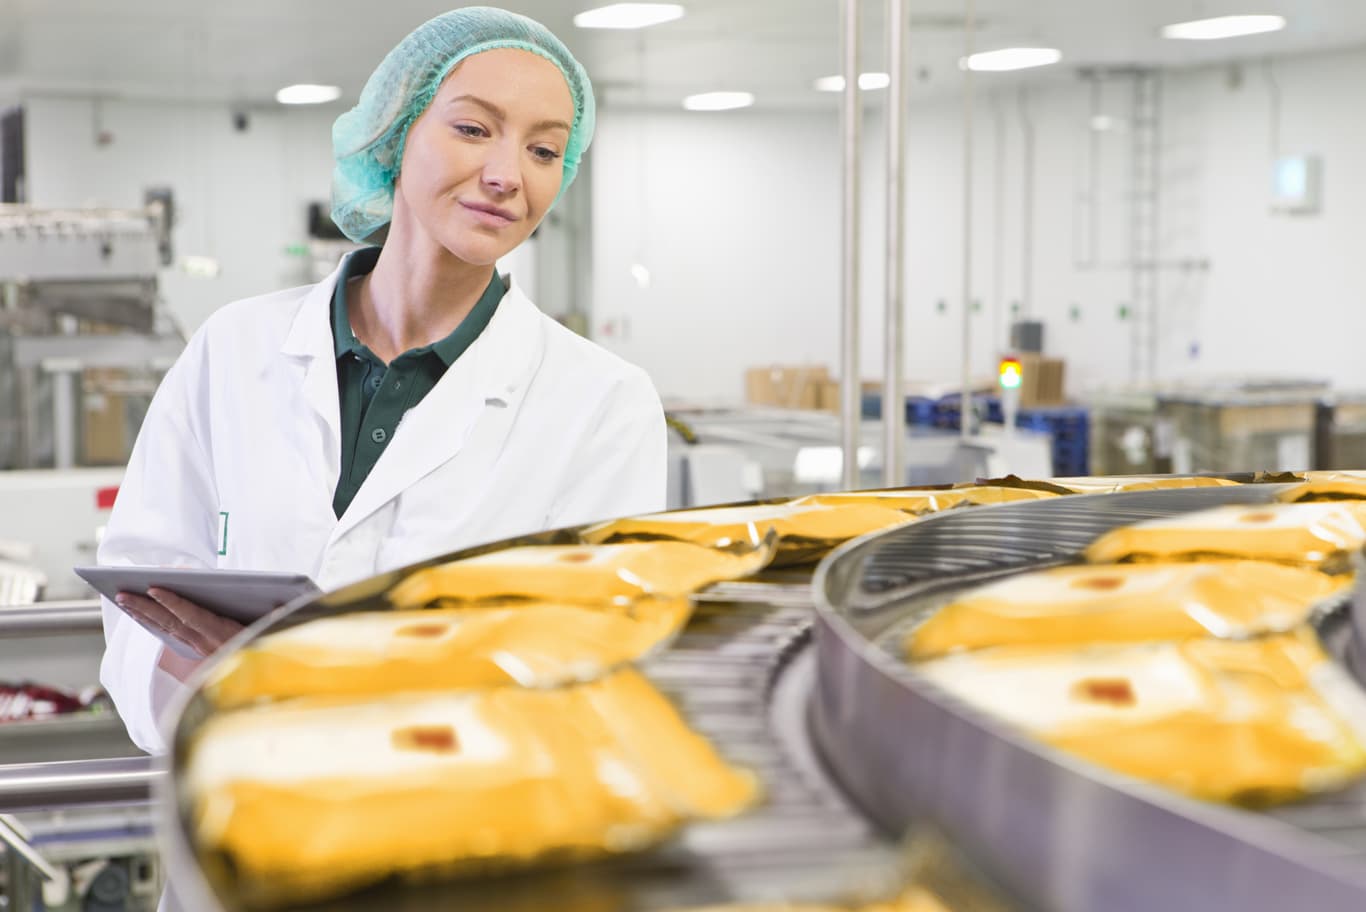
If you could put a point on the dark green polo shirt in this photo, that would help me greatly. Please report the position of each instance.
(374, 396)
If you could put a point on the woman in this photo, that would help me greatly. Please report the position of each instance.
(412, 403)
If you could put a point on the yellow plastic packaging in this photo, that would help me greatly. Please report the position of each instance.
(916, 899)
(1251, 722)
(308, 799)
(805, 531)
(987, 495)
(1111, 484)
(1334, 475)
(578, 574)
(529, 644)
(918, 503)
(1117, 603)
(923, 502)
(1342, 489)
(1315, 534)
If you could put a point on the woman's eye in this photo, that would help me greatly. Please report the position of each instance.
(469, 130)
(544, 154)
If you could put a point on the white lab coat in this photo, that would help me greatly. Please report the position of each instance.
(532, 428)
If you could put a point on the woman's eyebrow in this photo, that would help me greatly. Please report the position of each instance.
(502, 115)
(549, 125)
(486, 105)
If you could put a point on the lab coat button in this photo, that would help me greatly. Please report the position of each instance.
(378, 435)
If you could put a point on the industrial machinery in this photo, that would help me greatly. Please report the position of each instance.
(83, 342)
(1241, 425)
(729, 455)
(76, 821)
(792, 676)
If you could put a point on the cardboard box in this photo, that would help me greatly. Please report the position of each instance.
(104, 428)
(787, 386)
(830, 396)
(1041, 381)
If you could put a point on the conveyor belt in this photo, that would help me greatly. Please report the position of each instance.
(1062, 833)
(808, 699)
(737, 673)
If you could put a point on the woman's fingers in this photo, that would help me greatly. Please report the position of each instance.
(148, 611)
(196, 627)
(184, 610)
(211, 629)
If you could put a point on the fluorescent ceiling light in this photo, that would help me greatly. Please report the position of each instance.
(866, 82)
(718, 101)
(202, 266)
(305, 93)
(1010, 59)
(629, 15)
(1223, 27)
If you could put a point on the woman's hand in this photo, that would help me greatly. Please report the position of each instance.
(198, 628)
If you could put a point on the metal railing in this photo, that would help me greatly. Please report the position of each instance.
(72, 783)
(49, 618)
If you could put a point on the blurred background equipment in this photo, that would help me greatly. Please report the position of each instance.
(83, 338)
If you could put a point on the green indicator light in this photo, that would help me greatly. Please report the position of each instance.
(1011, 374)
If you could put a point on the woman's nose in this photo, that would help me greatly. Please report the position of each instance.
(501, 174)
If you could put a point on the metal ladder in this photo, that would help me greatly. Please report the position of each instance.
(1144, 224)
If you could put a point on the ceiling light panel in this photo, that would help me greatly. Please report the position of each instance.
(1223, 27)
(718, 101)
(629, 15)
(1011, 59)
(866, 82)
(307, 93)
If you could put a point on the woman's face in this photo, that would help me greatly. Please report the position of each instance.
(484, 162)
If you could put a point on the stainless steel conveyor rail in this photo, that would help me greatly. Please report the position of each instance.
(1060, 833)
(49, 618)
(61, 784)
(72, 783)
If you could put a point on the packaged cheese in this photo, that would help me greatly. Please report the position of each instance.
(1251, 722)
(1349, 489)
(1314, 534)
(1118, 603)
(804, 531)
(529, 644)
(1016, 483)
(920, 502)
(1333, 475)
(578, 574)
(915, 899)
(989, 494)
(1112, 484)
(916, 502)
(306, 799)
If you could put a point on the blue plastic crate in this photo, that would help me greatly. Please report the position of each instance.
(1069, 427)
(920, 412)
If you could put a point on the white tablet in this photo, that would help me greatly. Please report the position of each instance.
(242, 595)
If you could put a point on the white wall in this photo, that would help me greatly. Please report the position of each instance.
(736, 215)
(734, 219)
(241, 197)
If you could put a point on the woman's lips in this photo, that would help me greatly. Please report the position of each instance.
(490, 215)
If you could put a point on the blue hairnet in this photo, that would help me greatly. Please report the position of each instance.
(367, 141)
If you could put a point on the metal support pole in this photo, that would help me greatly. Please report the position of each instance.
(851, 397)
(64, 414)
(969, 34)
(16, 840)
(893, 392)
